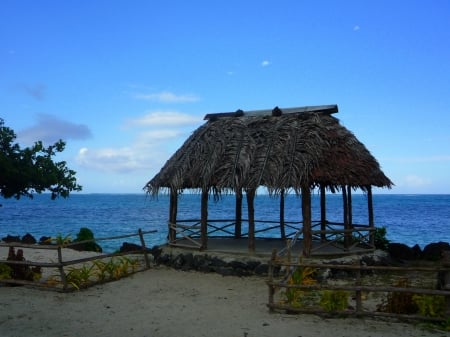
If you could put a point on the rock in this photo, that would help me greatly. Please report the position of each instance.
(156, 252)
(417, 251)
(262, 269)
(225, 271)
(238, 265)
(188, 261)
(11, 238)
(434, 251)
(130, 247)
(28, 239)
(401, 251)
(45, 240)
(177, 262)
(252, 265)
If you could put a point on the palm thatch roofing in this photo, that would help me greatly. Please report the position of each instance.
(280, 149)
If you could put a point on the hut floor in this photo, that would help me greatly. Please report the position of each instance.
(264, 248)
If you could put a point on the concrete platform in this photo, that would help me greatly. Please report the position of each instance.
(265, 246)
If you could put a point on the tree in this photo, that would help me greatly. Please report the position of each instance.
(24, 171)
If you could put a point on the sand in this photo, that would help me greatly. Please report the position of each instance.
(167, 302)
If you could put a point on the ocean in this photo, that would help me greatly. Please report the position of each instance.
(409, 219)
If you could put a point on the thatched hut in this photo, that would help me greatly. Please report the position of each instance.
(284, 150)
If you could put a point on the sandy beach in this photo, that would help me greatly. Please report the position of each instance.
(166, 302)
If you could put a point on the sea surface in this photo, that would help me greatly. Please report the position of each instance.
(410, 219)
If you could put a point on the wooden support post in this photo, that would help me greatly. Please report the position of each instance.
(370, 214)
(306, 213)
(323, 214)
(144, 248)
(238, 215)
(172, 234)
(61, 268)
(282, 229)
(251, 219)
(350, 207)
(345, 220)
(204, 220)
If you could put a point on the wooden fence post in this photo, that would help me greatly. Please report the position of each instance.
(144, 249)
(270, 280)
(444, 280)
(61, 268)
(358, 290)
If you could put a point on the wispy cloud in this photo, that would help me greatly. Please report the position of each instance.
(415, 181)
(167, 97)
(265, 63)
(356, 28)
(50, 129)
(157, 134)
(424, 159)
(36, 91)
(158, 118)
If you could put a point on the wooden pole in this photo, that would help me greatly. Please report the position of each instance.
(271, 286)
(238, 211)
(306, 213)
(251, 219)
(61, 268)
(345, 220)
(144, 248)
(204, 219)
(370, 213)
(350, 207)
(323, 213)
(358, 293)
(282, 227)
(173, 209)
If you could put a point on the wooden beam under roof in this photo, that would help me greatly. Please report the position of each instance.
(327, 109)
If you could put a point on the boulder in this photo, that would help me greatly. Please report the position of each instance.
(45, 240)
(400, 251)
(28, 239)
(434, 251)
(130, 247)
(10, 238)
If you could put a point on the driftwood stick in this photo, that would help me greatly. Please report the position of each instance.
(144, 249)
(61, 268)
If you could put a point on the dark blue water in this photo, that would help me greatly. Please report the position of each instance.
(409, 219)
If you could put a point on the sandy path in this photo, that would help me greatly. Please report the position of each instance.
(166, 302)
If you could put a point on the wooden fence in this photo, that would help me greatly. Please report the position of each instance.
(61, 282)
(367, 290)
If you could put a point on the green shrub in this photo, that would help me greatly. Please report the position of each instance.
(86, 234)
(5, 271)
(334, 300)
(430, 305)
(380, 239)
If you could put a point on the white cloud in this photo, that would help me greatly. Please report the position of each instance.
(170, 118)
(152, 146)
(415, 181)
(168, 97)
(121, 160)
(50, 129)
(265, 63)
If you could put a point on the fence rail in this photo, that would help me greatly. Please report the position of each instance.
(188, 232)
(61, 263)
(365, 283)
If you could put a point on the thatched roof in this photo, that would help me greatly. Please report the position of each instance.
(281, 149)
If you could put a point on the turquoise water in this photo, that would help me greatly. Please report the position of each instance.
(409, 219)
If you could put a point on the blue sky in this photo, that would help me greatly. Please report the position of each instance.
(124, 83)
